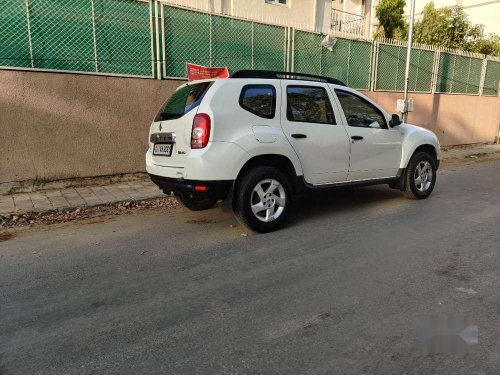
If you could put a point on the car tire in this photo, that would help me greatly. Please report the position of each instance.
(420, 176)
(262, 199)
(195, 203)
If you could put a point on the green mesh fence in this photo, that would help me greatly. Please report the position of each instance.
(491, 78)
(268, 47)
(231, 43)
(349, 61)
(458, 74)
(391, 69)
(119, 37)
(307, 52)
(62, 34)
(123, 37)
(108, 36)
(187, 39)
(14, 42)
(199, 38)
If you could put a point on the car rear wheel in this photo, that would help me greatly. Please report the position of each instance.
(420, 176)
(195, 203)
(263, 198)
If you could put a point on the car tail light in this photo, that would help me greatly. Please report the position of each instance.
(200, 132)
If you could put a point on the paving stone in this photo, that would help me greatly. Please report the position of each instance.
(22, 202)
(7, 204)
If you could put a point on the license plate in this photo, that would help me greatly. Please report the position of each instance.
(162, 149)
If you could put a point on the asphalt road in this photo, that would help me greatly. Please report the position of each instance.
(340, 290)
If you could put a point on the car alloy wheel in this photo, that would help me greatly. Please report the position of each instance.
(423, 176)
(268, 200)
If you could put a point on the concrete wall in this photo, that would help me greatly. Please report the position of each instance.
(57, 126)
(456, 119)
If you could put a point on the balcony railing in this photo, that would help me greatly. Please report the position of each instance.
(350, 23)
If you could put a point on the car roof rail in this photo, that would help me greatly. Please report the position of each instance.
(266, 74)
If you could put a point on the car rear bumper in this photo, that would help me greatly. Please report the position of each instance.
(202, 189)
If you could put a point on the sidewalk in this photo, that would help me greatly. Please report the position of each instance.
(46, 200)
(67, 198)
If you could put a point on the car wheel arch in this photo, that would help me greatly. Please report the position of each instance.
(425, 147)
(281, 162)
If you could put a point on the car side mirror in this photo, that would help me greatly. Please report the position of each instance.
(395, 120)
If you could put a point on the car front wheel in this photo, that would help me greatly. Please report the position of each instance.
(263, 198)
(420, 176)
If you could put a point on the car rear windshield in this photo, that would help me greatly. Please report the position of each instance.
(182, 101)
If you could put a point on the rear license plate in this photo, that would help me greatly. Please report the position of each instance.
(162, 149)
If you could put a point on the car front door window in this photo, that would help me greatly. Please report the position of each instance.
(359, 112)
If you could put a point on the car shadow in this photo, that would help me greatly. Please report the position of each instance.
(325, 202)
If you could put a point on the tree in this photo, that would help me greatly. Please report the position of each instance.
(489, 45)
(390, 14)
(447, 27)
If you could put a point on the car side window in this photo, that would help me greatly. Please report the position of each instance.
(309, 104)
(359, 112)
(259, 100)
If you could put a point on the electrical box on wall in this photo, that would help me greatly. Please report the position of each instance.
(405, 105)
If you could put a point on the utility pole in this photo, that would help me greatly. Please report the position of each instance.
(407, 106)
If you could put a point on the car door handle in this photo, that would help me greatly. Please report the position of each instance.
(356, 138)
(297, 136)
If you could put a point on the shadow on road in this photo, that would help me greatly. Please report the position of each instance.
(312, 206)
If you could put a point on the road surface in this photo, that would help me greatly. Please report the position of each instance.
(341, 289)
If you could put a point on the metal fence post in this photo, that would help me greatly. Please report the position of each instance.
(374, 69)
(435, 71)
(453, 75)
(151, 34)
(292, 55)
(483, 76)
(157, 30)
(285, 49)
(210, 40)
(93, 35)
(252, 44)
(349, 61)
(164, 52)
(27, 3)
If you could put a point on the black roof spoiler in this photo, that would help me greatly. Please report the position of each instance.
(266, 74)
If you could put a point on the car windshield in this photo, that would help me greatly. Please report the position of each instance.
(182, 101)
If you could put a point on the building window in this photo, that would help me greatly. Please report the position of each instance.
(278, 2)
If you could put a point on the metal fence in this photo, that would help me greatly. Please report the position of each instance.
(459, 74)
(150, 38)
(213, 40)
(99, 36)
(391, 62)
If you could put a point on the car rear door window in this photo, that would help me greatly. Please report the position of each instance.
(259, 100)
(360, 112)
(182, 101)
(309, 104)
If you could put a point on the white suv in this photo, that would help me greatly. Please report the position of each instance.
(258, 137)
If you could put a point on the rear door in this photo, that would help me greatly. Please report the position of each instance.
(170, 132)
(375, 147)
(310, 123)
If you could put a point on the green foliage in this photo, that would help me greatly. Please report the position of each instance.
(450, 27)
(489, 45)
(390, 14)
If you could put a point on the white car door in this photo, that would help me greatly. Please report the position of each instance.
(375, 147)
(312, 126)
